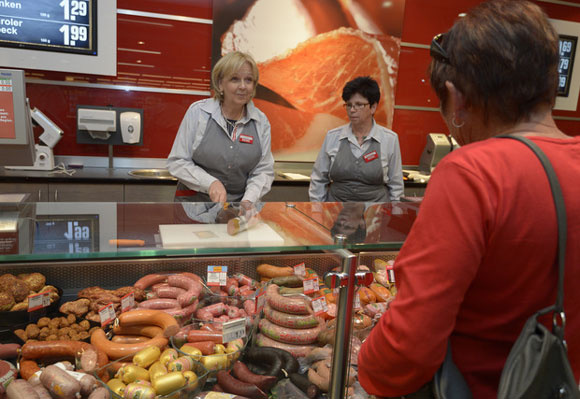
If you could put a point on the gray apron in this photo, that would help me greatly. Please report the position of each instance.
(357, 179)
(229, 161)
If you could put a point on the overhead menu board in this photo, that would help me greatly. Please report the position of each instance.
(565, 68)
(568, 80)
(50, 25)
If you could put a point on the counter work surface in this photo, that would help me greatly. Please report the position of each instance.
(286, 175)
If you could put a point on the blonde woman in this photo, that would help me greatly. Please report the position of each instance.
(222, 149)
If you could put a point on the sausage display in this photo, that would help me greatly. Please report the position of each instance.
(116, 350)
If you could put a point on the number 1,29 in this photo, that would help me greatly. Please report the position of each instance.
(73, 8)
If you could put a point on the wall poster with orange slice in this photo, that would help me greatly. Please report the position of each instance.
(306, 51)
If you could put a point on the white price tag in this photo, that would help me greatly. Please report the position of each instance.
(38, 301)
(128, 302)
(300, 269)
(356, 301)
(233, 330)
(217, 275)
(391, 273)
(107, 314)
(319, 305)
(310, 285)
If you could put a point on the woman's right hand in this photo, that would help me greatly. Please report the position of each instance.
(217, 192)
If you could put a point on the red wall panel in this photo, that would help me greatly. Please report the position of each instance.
(168, 53)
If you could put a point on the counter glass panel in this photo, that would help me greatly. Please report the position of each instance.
(59, 231)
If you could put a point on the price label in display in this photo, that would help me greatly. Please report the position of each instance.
(128, 302)
(391, 272)
(300, 269)
(310, 285)
(319, 305)
(356, 300)
(260, 300)
(38, 301)
(217, 275)
(233, 330)
(107, 314)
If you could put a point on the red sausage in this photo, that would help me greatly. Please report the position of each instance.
(287, 335)
(204, 335)
(150, 279)
(232, 286)
(290, 320)
(192, 287)
(167, 291)
(159, 303)
(295, 350)
(217, 309)
(233, 385)
(245, 280)
(243, 373)
(250, 307)
(9, 351)
(286, 304)
(206, 347)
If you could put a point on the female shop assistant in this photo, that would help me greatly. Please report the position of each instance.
(222, 149)
(481, 256)
(360, 161)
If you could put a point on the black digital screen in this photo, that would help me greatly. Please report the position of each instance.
(66, 234)
(566, 65)
(50, 25)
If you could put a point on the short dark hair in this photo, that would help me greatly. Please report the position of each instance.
(365, 86)
(503, 56)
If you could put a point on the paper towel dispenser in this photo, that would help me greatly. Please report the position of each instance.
(109, 125)
(99, 123)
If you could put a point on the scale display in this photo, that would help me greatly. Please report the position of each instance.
(567, 53)
(50, 25)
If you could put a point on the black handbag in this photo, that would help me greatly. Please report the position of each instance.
(537, 366)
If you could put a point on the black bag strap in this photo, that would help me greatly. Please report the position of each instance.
(558, 307)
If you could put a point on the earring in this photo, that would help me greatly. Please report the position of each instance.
(455, 124)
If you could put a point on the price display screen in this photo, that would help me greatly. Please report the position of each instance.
(567, 53)
(66, 234)
(50, 25)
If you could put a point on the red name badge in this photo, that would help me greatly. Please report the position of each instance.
(246, 139)
(370, 156)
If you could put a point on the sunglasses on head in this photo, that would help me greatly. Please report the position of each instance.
(437, 51)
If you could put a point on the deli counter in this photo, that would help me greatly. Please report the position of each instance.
(344, 247)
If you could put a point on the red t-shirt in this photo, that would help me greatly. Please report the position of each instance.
(479, 260)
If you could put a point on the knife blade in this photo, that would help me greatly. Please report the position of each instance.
(266, 94)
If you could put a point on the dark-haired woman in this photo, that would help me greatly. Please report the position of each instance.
(360, 161)
(480, 257)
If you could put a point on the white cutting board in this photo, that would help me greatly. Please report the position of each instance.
(216, 236)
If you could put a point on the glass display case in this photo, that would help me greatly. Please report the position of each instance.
(110, 245)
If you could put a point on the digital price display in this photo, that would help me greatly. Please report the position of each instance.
(567, 53)
(51, 25)
(66, 234)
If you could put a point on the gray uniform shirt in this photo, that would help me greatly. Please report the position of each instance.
(390, 158)
(181, 164)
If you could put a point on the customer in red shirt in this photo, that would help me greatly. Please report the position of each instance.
(480, 258)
